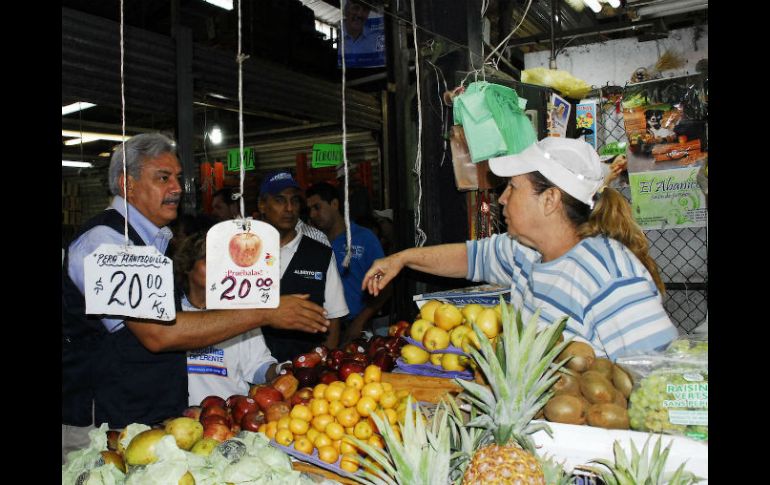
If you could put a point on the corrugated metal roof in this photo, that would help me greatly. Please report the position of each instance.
(323, 11)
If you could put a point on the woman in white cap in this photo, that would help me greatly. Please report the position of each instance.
(572, 248)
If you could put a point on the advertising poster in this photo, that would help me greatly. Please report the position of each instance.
(363, 31)
(585, 120)
(558, 116)
(668, 199)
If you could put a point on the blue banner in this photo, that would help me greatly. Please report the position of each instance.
(363, 34)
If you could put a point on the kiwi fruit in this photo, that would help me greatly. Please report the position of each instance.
(603, 366)
(622, 380)
(581, 355)
(596, 388)
(568, 383)
(565, 408)
(607, 415)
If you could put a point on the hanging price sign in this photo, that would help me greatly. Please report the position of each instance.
(242, 265)
(129, 281)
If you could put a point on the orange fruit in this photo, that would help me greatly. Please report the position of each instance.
(350, 396)
(334, 392)
(312, 433)
(372, 373)
(336, 444)
(283, 437)
(335, 431)
(392, 416)
(347, 447)
(388, 400)
(300, 411)
(298, 426)
(366, 406)
(318, 390)
(348, 417)
(322, 440)
(349, 463)
(376, 441)
(335, 407)
(283, 423)
(304, 445)
(262, 428)
(319, 406)
(363, 430)
(321, 421)
(373, 390)
(349, 430)
(328, 454)
(355, 380)
(271, 429)
(386, 386)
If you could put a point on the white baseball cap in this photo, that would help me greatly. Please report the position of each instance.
(570, 164)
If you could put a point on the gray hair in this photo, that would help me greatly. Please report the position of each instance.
(138, 149)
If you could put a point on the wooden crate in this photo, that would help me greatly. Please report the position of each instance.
(423, 388)
(301, 466)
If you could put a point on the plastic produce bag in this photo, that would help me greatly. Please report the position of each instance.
(670, 393)
(468, 175)
(562, 81)
(86, 466)
(493, 120)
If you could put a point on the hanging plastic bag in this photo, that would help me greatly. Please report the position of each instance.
(468, 175)
(562, 81)
(493, 121)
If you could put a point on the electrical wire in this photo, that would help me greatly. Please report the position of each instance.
(507, 38)
(123, 125)
(348, 251)
(239, 59)
(420, 237)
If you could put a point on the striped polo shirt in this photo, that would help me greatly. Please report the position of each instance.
(607, 293)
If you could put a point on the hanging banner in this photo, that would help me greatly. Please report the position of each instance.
(558, 116)
(234, 159)
(668, 199)
(665, 121)
(585, 120)
(363, 31)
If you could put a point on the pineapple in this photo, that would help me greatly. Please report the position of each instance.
(520, 373)
(642, 467)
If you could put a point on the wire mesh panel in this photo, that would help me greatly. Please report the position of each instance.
(681, 254)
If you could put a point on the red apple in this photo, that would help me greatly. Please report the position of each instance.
(310, 359)
(242, 405)
(213, 401)
(287, 384)
(302, 396)
(308, 376)
(265, 396)
(334, 359)
(193, 412)
(384, 360)
(277, 410)
(235, 429)
(215, 418)
(322, 351)
(245, 248)
(217, 431)
(376, 344)
(355, 346)
(349, 366)
(399, 328)
(359, 357)
(214, 410)
(252, 420)
(329, 376)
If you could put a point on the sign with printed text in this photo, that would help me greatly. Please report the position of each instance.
(129, 281)
(234, 159)
(242, 265)
(326, 155)
(585, 121)
(667, 199)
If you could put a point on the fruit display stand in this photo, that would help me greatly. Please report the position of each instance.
(577, 444)
(302, 466)
(422, 388)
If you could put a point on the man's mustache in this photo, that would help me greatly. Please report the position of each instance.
(174, 199)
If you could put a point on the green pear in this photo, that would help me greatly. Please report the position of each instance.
(186, 431)
(205, 446)
(141, 450)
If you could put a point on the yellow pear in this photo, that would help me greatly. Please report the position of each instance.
(456, 335)
(186, 431)
(204, 446)
(470, 311)
(419, 327)
(452, 362)
(447, 316)
(141, 450)
(488, 322)
(435, 359)
(413, 354)
(426, 311)
(435, 339)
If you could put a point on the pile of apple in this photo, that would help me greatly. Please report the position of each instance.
(440, 324)
(335, 411)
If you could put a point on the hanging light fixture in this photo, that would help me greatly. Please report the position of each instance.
(215, 135)
(593, 5)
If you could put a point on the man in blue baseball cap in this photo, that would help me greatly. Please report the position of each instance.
(307, 267)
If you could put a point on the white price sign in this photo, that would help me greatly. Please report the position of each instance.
(129, 281)
(242, 265)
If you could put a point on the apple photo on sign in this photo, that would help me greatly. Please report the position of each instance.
(245, 248)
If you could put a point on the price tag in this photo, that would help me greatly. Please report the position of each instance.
(129, 281)
(242, 265)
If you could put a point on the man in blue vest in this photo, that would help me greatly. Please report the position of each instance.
(121, 371)
(325, 206)
(307, 266)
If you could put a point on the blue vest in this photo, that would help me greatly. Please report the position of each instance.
(126, 382)
(306, 273)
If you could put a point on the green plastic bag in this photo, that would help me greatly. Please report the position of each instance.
(493, 120)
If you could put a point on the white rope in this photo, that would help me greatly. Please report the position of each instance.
(348, 252)
(123, 127)
(419, 236)
(240, 58)
(505, 41)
